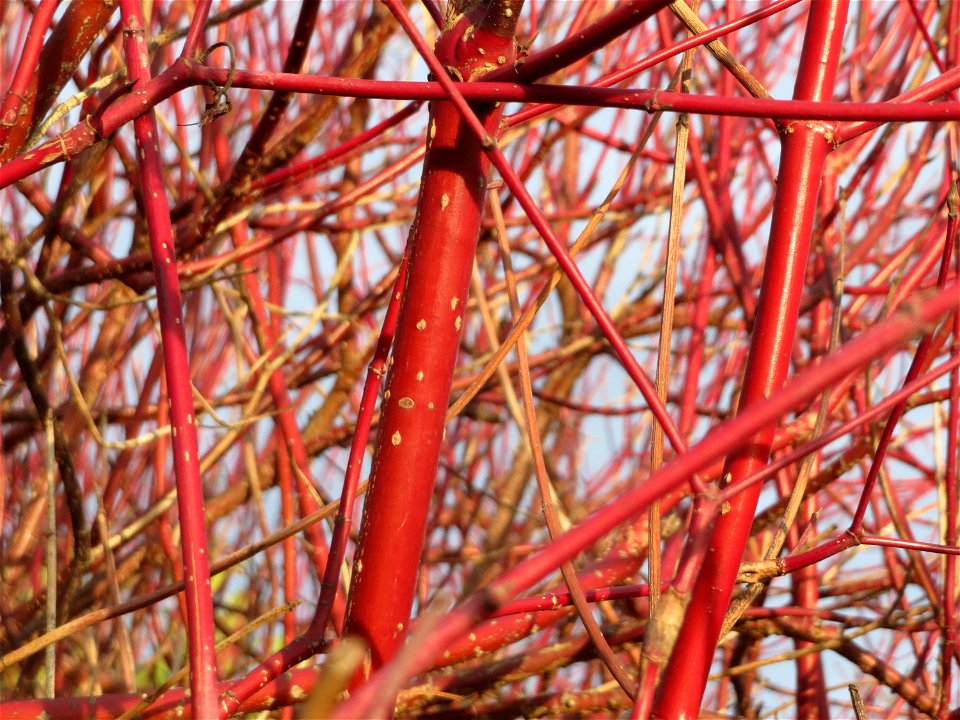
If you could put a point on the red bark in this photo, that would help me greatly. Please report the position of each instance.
(206, 319)
(441, 253)
(804, 149)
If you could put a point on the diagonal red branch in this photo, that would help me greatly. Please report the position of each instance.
(569, 267)
(432, 641)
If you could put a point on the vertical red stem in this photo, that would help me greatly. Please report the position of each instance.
(951, 480)
(311, 641)
(186, 461)
(804, 149)
(194, 38)
(441, 252)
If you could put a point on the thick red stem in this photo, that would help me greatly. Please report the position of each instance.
(441, 253)
(804, 149)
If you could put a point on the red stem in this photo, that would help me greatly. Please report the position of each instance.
(358, 447)
(881, 338)
(441, 254)
(186, 455)
(917, 365)
(804, 150)
(912, 106)
(192, 43)
(93, 229)
(948, 619)
(285, 690)
(312, 640)
(532, 209)
(623, 18)
(16, 95)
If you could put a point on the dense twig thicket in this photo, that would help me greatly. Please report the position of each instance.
(501, 358)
